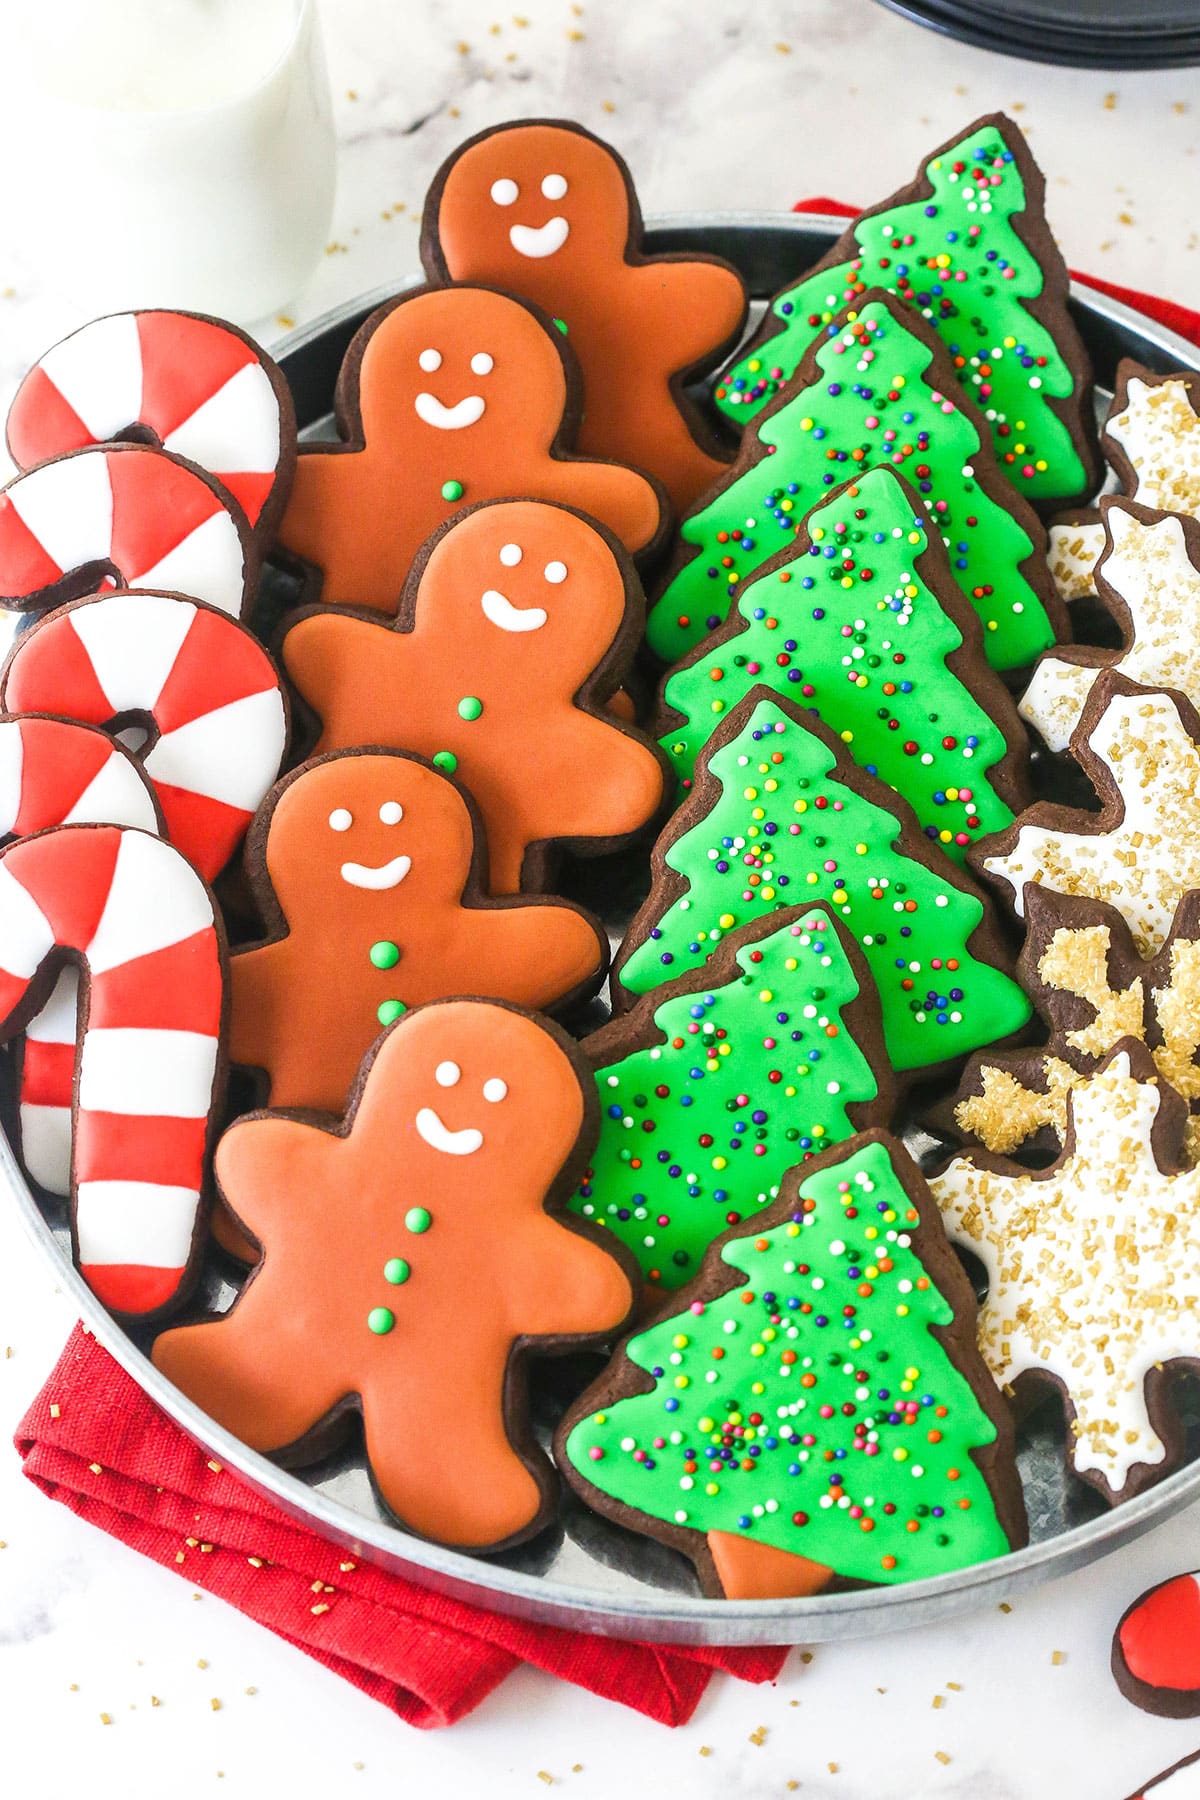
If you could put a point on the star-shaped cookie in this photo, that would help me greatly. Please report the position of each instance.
(1080, 967)
(413, 1256)
(1093, 1270)
(1140, 748)
(1148, 578)
(1152, 444)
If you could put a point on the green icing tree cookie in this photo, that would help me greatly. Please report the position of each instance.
(860, 622)
(814, 1409)
(880, 390)
(968, 247)
(714, 1086)
(778, 816)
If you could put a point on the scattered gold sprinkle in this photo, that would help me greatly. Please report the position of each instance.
(256, 1562)
(322, 1606)
(545, 1775)
(352, 93)
(74, 1688)
(96, 1468)
(202, 1663)
(55, 1410)
(806, 1656)
(576, 37)
(462, 47)
(106, 1718)
(252, 1690)
(346, 1567)
(1057, 1658)
(938, 1700)
(1180, 106)
(1110, 102)
(215, 1704)
(287, 324)
(940, 1756)
(784, 49)
(358, 1765)
(154, 1700)
(705, 1750)
(956, 1686)
(212, 1463)
(759, 1735)
(607, 106)
(577, 1768)
(179, 1556)
(833, 1768)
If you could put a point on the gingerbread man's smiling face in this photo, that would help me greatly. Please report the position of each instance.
(534, 195)
(480, 1085)
(527, 593)
(460, 368)
(358, 837)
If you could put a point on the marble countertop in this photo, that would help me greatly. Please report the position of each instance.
(713, 108)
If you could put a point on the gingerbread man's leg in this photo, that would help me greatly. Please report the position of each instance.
(436, 1410)
(255, 1371)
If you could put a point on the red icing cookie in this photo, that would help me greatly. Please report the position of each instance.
(1156, 1649)
(469, 1126)
(368, 870)
(447, 396)
(193, 385)
(516, 625)
(546, 210)
(122, 515)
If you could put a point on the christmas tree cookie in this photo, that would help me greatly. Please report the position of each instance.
(861, 622)
(779, 813)
(811, 1410)
(715, 1085)
(967, 246)
(880, 389)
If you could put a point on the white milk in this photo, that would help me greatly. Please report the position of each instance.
(174, 152)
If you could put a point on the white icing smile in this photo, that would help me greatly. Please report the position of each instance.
(467, 411)
(501, 611)
(544, 241)
(388, 875)
(440, 1137)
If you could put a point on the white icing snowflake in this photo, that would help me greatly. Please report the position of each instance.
(1093, 1267)
(1151, 857)
(1149, 567)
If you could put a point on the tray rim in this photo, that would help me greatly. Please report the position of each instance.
(662, 1616)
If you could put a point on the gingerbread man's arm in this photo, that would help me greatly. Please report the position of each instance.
(257, 1371)
(579, 1287)
(695, 306)
(258, 985)
(615, 781)
(316, 651)
(561, 945)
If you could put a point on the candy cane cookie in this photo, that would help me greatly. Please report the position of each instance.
(193, 385)
(149, 1073)
(54, 772)
(199, 682)
(122, 515)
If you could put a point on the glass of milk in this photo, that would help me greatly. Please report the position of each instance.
(173, 153)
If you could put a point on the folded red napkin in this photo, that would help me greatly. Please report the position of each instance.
(94, 1441)
(1183, 319)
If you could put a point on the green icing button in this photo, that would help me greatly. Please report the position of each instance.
(446, 761)
(388, 1011)
(380, 1320)
(452, 490)
(417, 1219)
(396, 1270)
(385, 954)
(469, 707)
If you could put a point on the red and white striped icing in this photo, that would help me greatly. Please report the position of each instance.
(198, 386)
(204, 681)
(123, 514)
(142, 922)
(53, 772)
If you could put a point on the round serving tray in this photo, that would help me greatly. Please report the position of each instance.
(585, 1572)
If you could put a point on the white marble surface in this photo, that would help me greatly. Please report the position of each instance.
(719, 107)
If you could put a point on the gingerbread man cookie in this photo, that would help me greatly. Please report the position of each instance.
(447, 396)
(516, 624)
(544, 209)
(468, 1127)
(368, 870)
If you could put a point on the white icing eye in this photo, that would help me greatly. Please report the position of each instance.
(391, 812)
(510, 555)
(482, 363)
(556, 572)
(495, 1089)
(504, 191)
(447, 1074)
(430, 360)
(554, 187)
(340, 819)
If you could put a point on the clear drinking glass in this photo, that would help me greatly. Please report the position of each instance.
(173, 153)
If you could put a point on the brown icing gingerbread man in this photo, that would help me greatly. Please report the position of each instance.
(368, 871)
(516, 624)
(546, 210)
(447, 396)
(411, 1257)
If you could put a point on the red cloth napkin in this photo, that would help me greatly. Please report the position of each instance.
(1182, 319)
(94, 1441)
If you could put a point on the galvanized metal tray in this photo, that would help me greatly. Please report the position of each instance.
(585, 1572)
